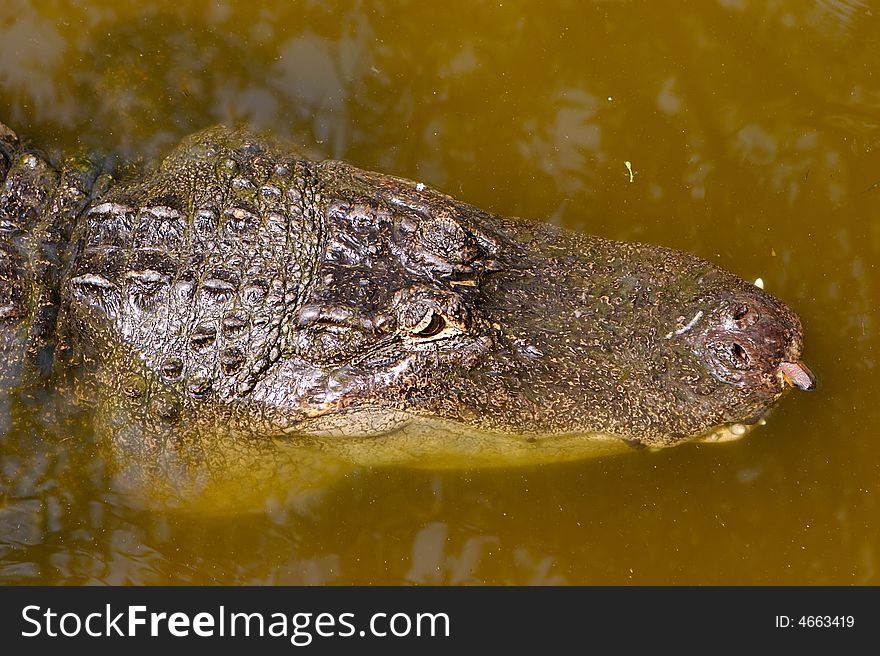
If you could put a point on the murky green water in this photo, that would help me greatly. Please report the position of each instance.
(753, 132)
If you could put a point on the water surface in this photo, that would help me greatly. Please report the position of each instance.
(752, 130)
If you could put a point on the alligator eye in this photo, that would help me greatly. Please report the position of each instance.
(741, 357)
(432, 324)
(423, 313)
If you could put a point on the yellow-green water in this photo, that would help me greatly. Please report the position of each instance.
(753, 135)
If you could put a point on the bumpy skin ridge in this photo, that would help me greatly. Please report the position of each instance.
(210, 253)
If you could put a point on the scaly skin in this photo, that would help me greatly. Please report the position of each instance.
(240, 298)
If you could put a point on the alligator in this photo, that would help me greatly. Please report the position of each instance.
(238, 297)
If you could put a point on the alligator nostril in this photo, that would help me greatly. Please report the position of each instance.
(740, 354)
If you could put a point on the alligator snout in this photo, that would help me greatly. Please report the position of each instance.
(751, 340)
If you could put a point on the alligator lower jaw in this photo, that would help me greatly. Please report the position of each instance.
(424, 442)
(729, 432)
(429, 443)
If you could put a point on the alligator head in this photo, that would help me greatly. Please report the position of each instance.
(453, 335)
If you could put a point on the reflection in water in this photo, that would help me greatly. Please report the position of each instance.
(563, 147)
(754, 135)
(31, 52)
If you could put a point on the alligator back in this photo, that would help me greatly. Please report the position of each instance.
(190, 271)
